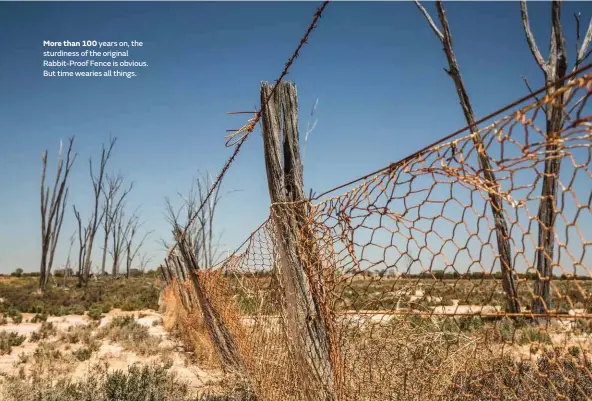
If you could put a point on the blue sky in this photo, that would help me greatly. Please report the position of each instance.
(375, 67)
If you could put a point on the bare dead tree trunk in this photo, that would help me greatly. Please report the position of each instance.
(98, 183)
(111, 208)
(144, 261)
(554, 69)
(52, 211)
(497, 208)
(207, 252)
(308, 327)
(132, 249)
(119, 233)
(68, 267)
(82, 241)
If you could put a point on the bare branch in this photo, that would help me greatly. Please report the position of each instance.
(131, 250)
(528, 87)
(144, 261)
(82, 240)
(119, 233)
(583, 52)
(530, 37)
(430, 21)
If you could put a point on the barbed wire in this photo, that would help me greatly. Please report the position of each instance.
(250, 125)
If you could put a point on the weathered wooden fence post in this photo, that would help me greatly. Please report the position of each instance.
(304, 310)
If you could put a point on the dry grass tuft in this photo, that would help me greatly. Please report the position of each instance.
(131, 335)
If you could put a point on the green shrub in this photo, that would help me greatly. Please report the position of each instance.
(17, 318)
(9, 340)
(138, 383)
(505, 330)
(130, 294)
(106, 308)
(76, 310)
(47, 330)
(470, 323)
(530, 335)
(95, 313)
(39, 317)
(83, 354)
(131, 335)
(78, 334)
(574, 351)
(35, 336)
(47, 351)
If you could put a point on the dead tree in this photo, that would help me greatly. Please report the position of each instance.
(52, 210)
(82, 242)
(309, 324)
(554, 70)
(144, 261)
(131, 248)
(68, 267)
(112, 204)
(95, 219)
(119, 232)
(496, 203)
(206, 250)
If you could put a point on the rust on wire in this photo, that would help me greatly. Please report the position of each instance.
(499, 111)
(231, 140)
(406, 268)
(248, 128)
(410, 274)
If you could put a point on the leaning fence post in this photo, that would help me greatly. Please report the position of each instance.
(307, 323)
(217, 328)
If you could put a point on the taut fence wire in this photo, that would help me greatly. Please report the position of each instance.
(407, 285)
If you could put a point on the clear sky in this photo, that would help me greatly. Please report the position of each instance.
(375, 68)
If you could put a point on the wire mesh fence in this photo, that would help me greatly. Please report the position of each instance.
(430, 280)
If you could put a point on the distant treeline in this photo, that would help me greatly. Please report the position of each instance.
(71, 273)
(435, 274)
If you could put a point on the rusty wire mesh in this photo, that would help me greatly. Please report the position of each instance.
(405, 267)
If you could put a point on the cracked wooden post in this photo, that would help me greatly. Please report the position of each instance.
(308, 325)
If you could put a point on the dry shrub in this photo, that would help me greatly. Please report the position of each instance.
(195, 334)
(79, 333)
(131, 335)
(173, 309)
(189, 328)
(405, 358)
(553, 375)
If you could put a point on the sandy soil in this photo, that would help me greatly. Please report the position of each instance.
(113, 354)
